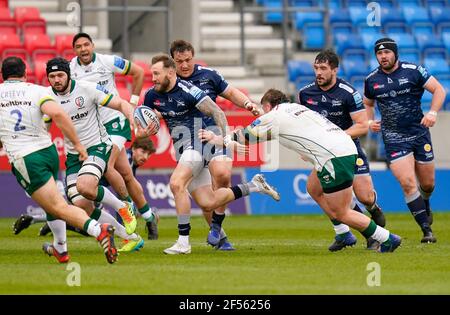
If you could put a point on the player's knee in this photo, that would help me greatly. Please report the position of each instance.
(176, 186)
(408, 185)
(223, 179)
(365, 197)
(86, 188)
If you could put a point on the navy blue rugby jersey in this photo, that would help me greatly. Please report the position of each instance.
(178, 108)
(336, 104)
(208, 80)
(398, 97)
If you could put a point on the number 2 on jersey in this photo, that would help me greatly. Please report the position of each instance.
(18, 127)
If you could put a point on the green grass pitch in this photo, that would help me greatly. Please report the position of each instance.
(275, 255)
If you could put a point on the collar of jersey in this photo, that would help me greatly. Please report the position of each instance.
(93, 59)
(72, 87)
(13, 81)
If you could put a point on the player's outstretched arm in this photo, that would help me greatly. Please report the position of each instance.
(137, 73)
(63, 122)
(123, 106)
(240, 99)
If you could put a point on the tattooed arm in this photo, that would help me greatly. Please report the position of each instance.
(210, 108)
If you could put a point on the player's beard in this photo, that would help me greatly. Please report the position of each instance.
(164, 85)
(324, 83)
(389, 66)
(64, 88)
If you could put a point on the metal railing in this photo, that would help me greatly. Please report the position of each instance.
(125, 8)
(286, 10)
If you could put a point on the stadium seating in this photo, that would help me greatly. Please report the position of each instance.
(39, 46)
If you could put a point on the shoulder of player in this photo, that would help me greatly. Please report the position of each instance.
(310, 87)
(201, 68)
(343, 85)
(371, 74)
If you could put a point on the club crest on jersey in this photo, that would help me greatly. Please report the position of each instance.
(336, 103)
(403, 81)
(79, 101)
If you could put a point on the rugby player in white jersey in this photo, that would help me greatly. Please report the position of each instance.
(34, 158)
(320, 142)
(100, 68)
(81, 100)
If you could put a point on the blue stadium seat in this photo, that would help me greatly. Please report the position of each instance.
(436, 3)
(358, 15)
(416, 14)
(303, 3)
(313, 36)
(370, 39)
(301, 18)
(437, 66)
(431, 46)
(355, 68)
(299, 68)
(366, 29)
(334, 3)
(446, 41)
(348, 41)
(373, 63)
(410, 55)
(404, 41)
(410, 3)
(440, 16)
(273, 17)
(339, 15)
(356, 3)
(393, 20)
(351, 47)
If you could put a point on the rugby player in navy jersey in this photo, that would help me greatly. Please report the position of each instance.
(213, 84)
(398, 87)
(186, 110)
(342, 104)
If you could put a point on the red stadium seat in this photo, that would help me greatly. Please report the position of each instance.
(7, 24)
(63, 44)
(10, 45)
(40, 72)
(22, 14)
(3, 3)
(124, 93)
(29, 20)
(39, 46)
(36, 26)
(30, 72)
(5, 14)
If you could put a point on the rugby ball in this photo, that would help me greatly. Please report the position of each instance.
(145, 116)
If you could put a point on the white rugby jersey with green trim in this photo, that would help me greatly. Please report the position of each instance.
(22, 130)
(101, 71)
(82, 105)
(304, 131)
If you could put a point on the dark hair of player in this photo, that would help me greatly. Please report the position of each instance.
(180, 45)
